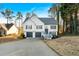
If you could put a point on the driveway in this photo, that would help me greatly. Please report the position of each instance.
(26, 47)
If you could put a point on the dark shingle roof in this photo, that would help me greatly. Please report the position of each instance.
(48, 21)
(8, 26)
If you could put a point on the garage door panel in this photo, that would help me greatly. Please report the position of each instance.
(29, 34)
(38, 34)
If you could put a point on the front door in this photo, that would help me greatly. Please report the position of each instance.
(46, 31)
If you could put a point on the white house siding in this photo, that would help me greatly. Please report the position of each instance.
(53, 30)
(34, 23)
(29, 22)
(12, 30)
(36, 20)
(49, 28)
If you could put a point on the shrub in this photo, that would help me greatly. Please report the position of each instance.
(21, 36)
(1, 35)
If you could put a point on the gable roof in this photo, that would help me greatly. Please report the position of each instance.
(48, 21)
(2, 26)
(8, 26)
(26, 19)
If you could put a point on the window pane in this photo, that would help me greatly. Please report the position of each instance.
(31, 27)
(28, 26)
(53, 27)
(39, 27)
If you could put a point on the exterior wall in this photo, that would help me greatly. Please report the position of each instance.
(51, 30)
(37, 22)
(33, 34)
(34, 21)
(2, 32)
(12, 30)
(28, 22)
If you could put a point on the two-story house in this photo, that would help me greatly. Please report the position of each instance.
(35, 26)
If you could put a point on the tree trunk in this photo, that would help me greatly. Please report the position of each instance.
(63, 26)
(71, 23)
(19, 23)
(58, 21)
(7, 20)
(19, 26)
(76, 20)
(75, 23)
(66, 27)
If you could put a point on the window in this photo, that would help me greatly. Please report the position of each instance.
(53, 27)
(39, 27)
(28, 26)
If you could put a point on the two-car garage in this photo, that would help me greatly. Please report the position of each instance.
(33, 34)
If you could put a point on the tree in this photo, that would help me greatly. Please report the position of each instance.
(55, 11)
(19, 17)
(7, 13)
(65, 15)
(75, 9)
(28, 15)
(69, 15)
(71, 10)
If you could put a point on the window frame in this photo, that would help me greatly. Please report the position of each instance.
(53, 26)
(28, 26)
(39, 27)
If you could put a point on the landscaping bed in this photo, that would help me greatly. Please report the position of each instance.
(66, 46)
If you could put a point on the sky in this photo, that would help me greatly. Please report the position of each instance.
(40, 9)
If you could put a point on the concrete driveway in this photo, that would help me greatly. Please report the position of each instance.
(26, 47)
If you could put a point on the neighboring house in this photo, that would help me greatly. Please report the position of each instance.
(6, 29)
(35, 26)
(3, 29)
(12, 29)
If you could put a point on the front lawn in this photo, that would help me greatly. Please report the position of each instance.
(66, 46)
